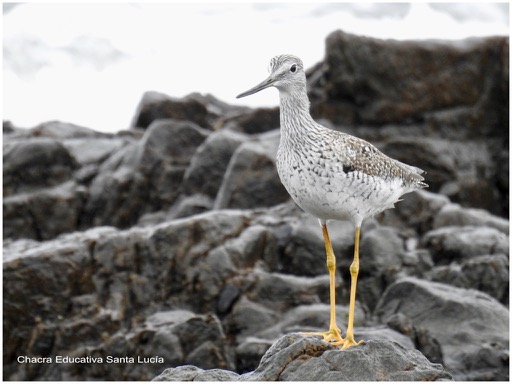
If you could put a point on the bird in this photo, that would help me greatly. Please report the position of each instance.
(331, 175)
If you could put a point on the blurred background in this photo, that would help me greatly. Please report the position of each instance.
(89, 64)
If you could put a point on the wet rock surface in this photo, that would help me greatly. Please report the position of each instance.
(175, 242)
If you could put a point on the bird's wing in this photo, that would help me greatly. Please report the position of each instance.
(364, 157)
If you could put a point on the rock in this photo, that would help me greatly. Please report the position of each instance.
(251, 179)
(418, 209)
(197, 271)
(382, 250)
(45, 277)
(296, 357)
(464, 171)
(192, 373)
(416, 263)
(154, 106)
(252, 321)
(247, 318)
(44, 214)
(59, 130)
(304, 253)
(488, 273)
(383, 81)
(249, 353)
(35, 163)
(144, 177)
(470, 326)
(254, 121)
(282, 292)
(456, 243)
(455, 215)
(353, 365)
(189, 205)
(209, 163)
(94, 150)
(381, 332)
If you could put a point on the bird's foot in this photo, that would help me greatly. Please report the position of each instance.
(332, 336)
(349, 341)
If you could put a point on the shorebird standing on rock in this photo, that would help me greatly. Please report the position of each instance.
(331, 175)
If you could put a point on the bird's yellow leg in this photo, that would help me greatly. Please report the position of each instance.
(333, 335)
(354, 271)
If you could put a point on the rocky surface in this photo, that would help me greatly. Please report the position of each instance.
(174, 242)
(295, 357)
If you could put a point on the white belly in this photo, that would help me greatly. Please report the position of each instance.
(337, 195)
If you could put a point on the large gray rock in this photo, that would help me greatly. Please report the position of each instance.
(57, 130)
(295, 357)
(417, 210)
(488, 273)
(462, 170)
(253, 121)
(209, 163)
(456, 243)
(383, 81)
(44, 214)
(251, 179)
(144, 177)
(154, 106)
(304, 252)
(470, 327)
(455, 215)
(35, 163)
(192, 373)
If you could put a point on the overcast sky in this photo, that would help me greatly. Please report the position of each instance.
(89, 64)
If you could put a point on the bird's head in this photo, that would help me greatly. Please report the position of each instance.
(286, 74)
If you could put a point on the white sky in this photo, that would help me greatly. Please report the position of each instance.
(90, 63)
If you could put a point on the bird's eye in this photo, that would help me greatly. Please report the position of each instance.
(293, 68)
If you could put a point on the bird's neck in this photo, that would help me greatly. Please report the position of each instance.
(294, 113)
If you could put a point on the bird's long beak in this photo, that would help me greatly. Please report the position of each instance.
(268, 82)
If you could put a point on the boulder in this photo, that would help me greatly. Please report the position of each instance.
(94, 150)
(470, 327)
(144, 177)
(418, 209)
(251, 179)
(381, 251)
(188, 206)
(35, 163)
(384, 81)
(253, 121)
(488, 273)
(295, 357)
(44, 214)
(462, 170)
(455, 215)
(154, 106)
(59, 130)
(304, 253)
(456, 243)
(209, 163)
